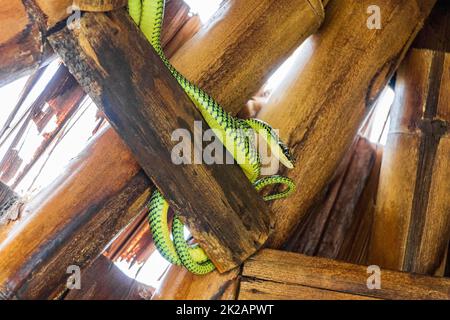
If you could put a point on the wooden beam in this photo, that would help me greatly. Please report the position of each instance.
(98, 206)
(22, 45)
(145, 105)
(219, 70)
(278, 275)
(333, 84)
(412, 223)
(24, 26)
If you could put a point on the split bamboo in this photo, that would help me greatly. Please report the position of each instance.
(412, 222)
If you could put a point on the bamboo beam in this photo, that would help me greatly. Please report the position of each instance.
(145, 105)
(67, 226)
(331, 88)
(412, 223)
(244, 44)
(281, 275)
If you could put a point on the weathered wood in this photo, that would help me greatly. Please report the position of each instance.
(8, 198)
(266, 290)
(269, 272)
(134, 244)
(55, 11)
(22, 48)
(334, 83)
(412, 222)
(179, 284)
(145, 105)
(100, 5)
(254, 33)
(65, 225)
(62, 96)
(24, 23)
(105, 281)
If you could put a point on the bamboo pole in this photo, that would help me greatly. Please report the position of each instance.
(412, 222)
(244, 44)
(66, 225)
(334, 83)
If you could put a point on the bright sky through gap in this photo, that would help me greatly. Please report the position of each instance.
(204, 8)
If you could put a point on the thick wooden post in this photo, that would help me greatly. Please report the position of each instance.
(332, 86)
(412, 222)
(124, 76)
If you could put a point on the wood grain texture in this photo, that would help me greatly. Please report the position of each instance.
(8, 199)
(276, 269)
(66, 225)
(22, 46)
(412, 222)
(266, 290)
(55, 11)
(145, 105)
(179, 284)
(100, 5)
(335, 81)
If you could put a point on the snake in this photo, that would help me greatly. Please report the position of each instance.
(237, 136)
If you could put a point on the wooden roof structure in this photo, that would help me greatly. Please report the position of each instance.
(359, 203)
